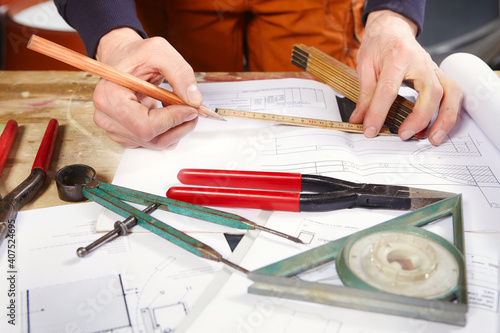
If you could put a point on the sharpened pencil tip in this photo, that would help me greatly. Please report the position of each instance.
(208, 113)
(217, 112)
(296, 240)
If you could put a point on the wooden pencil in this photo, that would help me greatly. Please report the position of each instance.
(80, 61)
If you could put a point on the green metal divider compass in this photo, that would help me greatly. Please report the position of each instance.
(78, 182)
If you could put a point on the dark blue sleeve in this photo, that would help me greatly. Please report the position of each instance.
(412, 9)
(92, 19)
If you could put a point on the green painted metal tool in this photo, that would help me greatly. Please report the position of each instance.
(395, 267)
(77, 183)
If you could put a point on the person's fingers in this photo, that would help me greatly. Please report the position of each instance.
(167, 140)
(417, 69)
(430, 93)
(449, 109)
(168, 123)
(367, 85)
(386, 91)
(110, 102)
(148, 102)
(163, 128)
(176, 70)
(130, 121)
(131, 118)
(390, 55)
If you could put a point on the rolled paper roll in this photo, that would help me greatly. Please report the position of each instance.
(480, 89)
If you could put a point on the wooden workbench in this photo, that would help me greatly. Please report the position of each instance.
(33, 98)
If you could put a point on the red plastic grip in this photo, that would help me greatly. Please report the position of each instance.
(44, 155)
(283, 181)
(6, 141)
(267, 200)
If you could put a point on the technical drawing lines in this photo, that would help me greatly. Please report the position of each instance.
(462, 146)
(474, 175)
(167, 293)
(163, 318)
(267, 99)
(331, 167)
(327, 141)
(481, 177)
(339, 168)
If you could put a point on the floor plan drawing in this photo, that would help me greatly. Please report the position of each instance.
(154, 303)
(93, 305)
(141, 284)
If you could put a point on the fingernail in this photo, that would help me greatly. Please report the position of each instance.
(407, 134)
(438, 137)
(370, 132)
(194, 95)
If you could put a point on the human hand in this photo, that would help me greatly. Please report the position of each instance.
(389, 55)
(133, 119)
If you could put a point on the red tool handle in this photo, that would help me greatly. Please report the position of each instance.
(283, 181)
(267, 200)
(6, 141)
(44, 155)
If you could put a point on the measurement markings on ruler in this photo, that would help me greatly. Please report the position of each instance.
(297, 121)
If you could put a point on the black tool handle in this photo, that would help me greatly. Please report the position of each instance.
(328, 201)
(317, 183)
(384, 202)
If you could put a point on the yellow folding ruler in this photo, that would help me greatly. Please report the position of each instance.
(297, 121)
(342, 79)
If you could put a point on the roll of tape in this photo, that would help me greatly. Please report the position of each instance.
(480, 89)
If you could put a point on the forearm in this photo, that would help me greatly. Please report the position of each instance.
(383, 20)
(92, 19)
(113, 44)
(413, 10)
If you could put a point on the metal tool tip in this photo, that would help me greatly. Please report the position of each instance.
(81, 252)
(233, 265)
(277, 233)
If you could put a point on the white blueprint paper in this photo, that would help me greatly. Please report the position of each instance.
(138, 283)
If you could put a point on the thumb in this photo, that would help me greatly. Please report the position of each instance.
(168, 118)
(178, 73)
(193, 95)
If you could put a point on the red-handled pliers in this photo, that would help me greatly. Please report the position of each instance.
(238, 189)
(6, 141)
(28, 189)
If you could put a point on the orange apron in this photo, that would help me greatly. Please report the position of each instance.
(254, 35)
